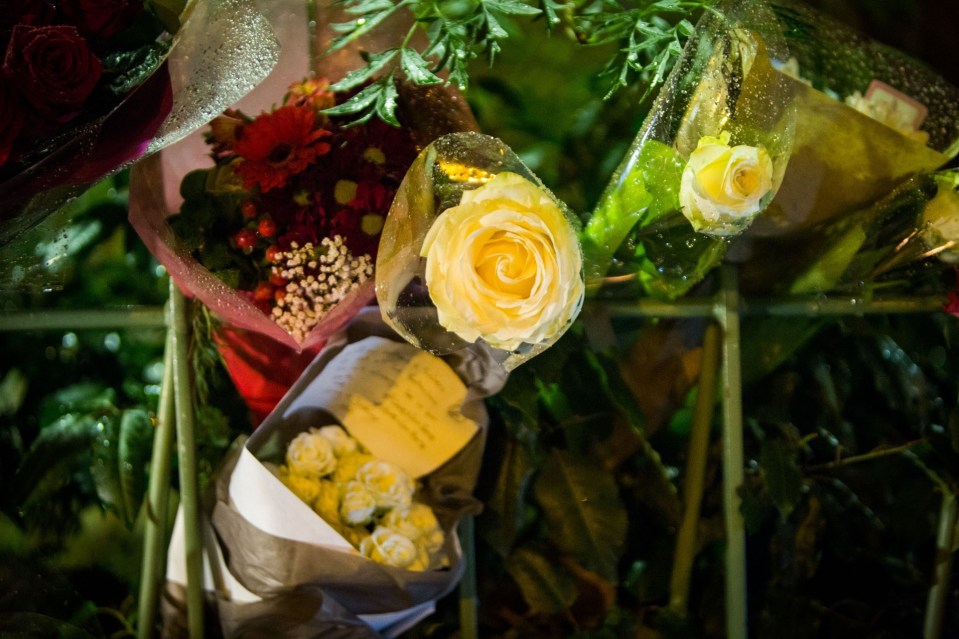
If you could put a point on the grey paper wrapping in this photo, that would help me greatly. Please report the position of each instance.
(270, 566)
(303, 613)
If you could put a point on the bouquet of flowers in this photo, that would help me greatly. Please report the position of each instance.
(351, 489)
(812, 123)
(709, 159)
(475, 249)
(290, 214)
(367, 500)
(68, 69)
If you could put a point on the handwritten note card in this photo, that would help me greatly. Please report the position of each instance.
(401, 403)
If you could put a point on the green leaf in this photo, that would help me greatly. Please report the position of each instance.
(57, 447)
(512, 7)
(386, 102)
(132, 68)
(13, 390)
(547, 589)
(87, 397)
(134, 449)
(356, 28)
(193, 185)
(105, 466)
(783, 477)
(827, 271)
(583, 511)
(374, 64)
(416, 68)
(505, 515)
(360, 102)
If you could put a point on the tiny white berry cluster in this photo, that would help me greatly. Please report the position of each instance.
(318, 277)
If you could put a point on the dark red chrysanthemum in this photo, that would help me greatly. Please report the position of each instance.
(277, 145)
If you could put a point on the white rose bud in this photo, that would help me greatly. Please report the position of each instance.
(310, 455)
(414, 522)
(306, 488)
(388, 547)
(723, 187)
(504, 265)
(389, 484)
(341, 441)
(357, 504)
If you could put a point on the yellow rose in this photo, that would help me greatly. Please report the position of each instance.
(389, 484)
(504, 265)
(341, 441)
(415, 522)
(723, 187)
(388, 547)
(940, 224)
(357, 505)
(310, 455)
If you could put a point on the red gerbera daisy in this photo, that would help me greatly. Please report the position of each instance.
(277, 145)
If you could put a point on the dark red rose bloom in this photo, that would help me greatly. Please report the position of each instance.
(277, 145)
(100, 19)
(53, 68)
(11, 119)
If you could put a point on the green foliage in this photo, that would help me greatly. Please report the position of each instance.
(458, 32)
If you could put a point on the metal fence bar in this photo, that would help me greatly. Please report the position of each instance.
(60, 319)
(186, 450)
(732, 462)
(157, 502)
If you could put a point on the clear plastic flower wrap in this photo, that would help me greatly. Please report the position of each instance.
(147, 98)
(903, 244)
(476, 250)
(709, 158)
(870, 123)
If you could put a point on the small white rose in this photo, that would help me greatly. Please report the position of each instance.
(389, 484)
(504, 265)
(414, 522)
(940, 224)
(388, 547)
(306, 488)
(357, 504)
(310, 455)
(341, 441)
(723, 187)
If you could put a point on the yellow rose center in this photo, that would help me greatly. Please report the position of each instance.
(504, 263)
(746, 179)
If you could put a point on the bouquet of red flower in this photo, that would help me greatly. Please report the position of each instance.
(69, 69)
(290, 214)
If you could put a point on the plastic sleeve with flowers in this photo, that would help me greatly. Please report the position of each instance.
(476, 250)
(341, 511)
(706, 163)
(868, 120)
(902, 244)
(87, 88)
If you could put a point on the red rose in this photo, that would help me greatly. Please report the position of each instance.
(53, 69)
(100, 19)
(11, 119)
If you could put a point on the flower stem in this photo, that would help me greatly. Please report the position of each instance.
(873, 454)
(186, 449)
(154, 544)
(939, 591)
(733, 457)
(468, 616)
(686, 546)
